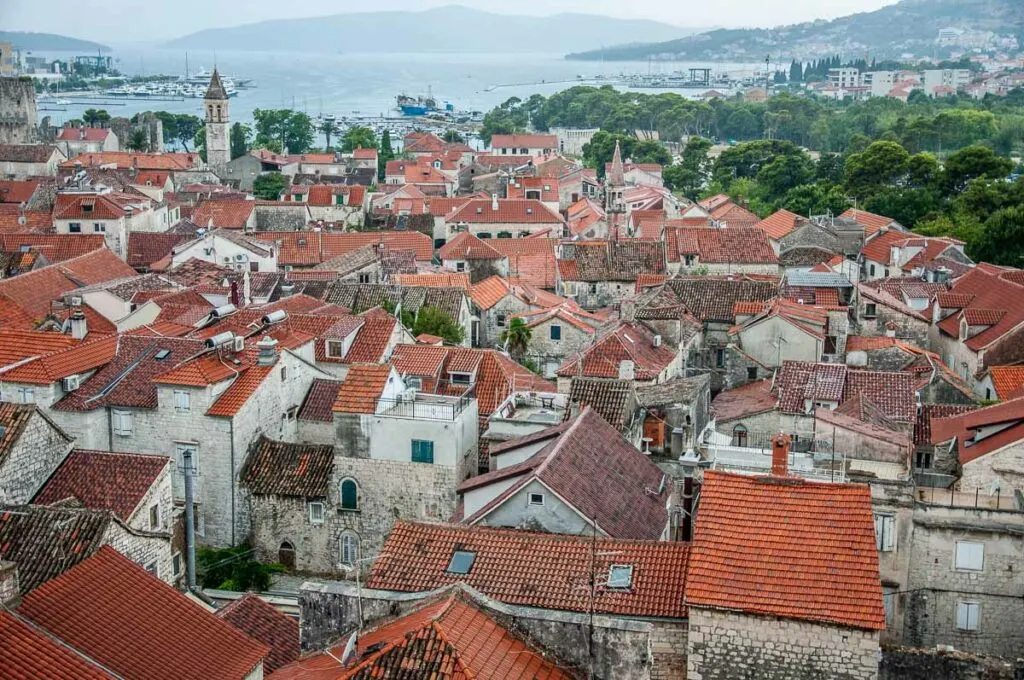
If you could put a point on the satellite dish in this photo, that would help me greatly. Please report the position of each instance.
(350, 648)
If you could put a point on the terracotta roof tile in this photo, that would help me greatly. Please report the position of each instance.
(969, 429)
(223, 213)
(55, 247)
(17, 345)
(419, 360)
(466, 246)
(535, 570)
(105, 600)
(865, 343)
(1007, 380)
(788, 548)
(800, 382)
(489, 292)
(510, 211)
(929, 412)
(621, 260)
(258, 619)
(626, 342)
(28, 652)
(17, 191)
(61, 363)
(871, 222)
(746, 400)
(986, 291)
(733, 245)
(281, 469)
(99, 480)
(319, 402)
(235, 397)
(27, 153)
(145, 248)
(364, 384)
(444, 279)
(708, 298)
(779, 224)
(608, 398)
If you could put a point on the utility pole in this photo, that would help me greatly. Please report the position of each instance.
(190, 526)
(767, 75)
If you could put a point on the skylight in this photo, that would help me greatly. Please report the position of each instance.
(461, 562)
(620, 576)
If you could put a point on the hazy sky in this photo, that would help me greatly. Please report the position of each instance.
(128, 21)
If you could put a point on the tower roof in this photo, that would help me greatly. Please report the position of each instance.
(216, 89)
(616, 174)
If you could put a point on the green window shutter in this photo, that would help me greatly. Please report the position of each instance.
(349, 495)
(422, 451)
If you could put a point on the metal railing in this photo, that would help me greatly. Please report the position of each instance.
(978, 498)
(422, 406)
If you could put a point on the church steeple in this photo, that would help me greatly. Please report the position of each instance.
(216, 88)
(616, 174)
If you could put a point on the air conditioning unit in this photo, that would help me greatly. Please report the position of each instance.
(71, 383)
(227, 260)
(241, 257)
(76, 301)
(239, 344)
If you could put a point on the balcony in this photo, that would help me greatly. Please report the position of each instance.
(415, 405)
(751, 454)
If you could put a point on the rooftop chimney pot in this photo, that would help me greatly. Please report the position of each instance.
(780, 454)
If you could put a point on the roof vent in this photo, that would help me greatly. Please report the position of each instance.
(268, 351)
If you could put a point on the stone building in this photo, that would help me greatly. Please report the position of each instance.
(20, 161)
(602, 273)
(498, 300)
(17, 111)
(32, 448)
(557, 333)
(572, 140)
(627, 351)
(637, 632)
(801, 599)
(218, 136)
(713, 250)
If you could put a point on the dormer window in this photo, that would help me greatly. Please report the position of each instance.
(335, 349)
(963, 329)
(462, 378)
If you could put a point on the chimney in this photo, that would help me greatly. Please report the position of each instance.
(79, 326)
(627, 370)
(780, 455)
(494, 202)
(9, 587)
(287, 289)
(268, 351)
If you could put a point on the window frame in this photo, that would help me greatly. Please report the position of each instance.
(340, 345)
(870, 310)
(555, 334)
(349, 542)
(182, 401)
(417, 455)
(154, 514)
(628, 585)
(118, 419)
(531, 499)
(751, 373)
(885, 532)
(342, 506)
(964, 609)
(313, 517)
(414, 382)
(74, 227)
(957, 557)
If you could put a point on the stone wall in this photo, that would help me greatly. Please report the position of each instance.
(1003, 468)
(730, 646)
(899, 663)
(143, 548)
(37, 453)
(550, 354)
(17, 111)
(489, 332)
(623, 649)
(912, 329)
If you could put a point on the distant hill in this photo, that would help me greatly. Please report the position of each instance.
(444, 29)
(50, 41)
(909, 27)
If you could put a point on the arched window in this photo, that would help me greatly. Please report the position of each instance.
(286, 555)
(349, 495)
(739, 436)
(218, 111)
(349, 548)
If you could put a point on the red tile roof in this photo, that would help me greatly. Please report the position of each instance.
(55, 247)
(223, 213)
(124, 160)
(466, 246)
(308, 248)
(593, 469)
(524, 141)
(28, 652)
(282, 469)
(971, 429)
(746, 400)
(419, 360)
(799, 381)
(929, 412)
(779, 224)
(82, 134)
(625, 342)
(103, 481)
(35, 290)
(364, 384)
(145, 248)
(17, 191)
(444, 638)
(60, 363)
(241, 390)
(871, 222)
(865, 343)
(532, 259)
(17, 344)
(735, 245)
(535, 570)
(262, 622)
(510, 211)
(13, 219)
(489, 292)
(987, 291)
(442, 279)
(319, 403)
(547, 187)
(123, 617)
(786, 547)
(1007, 380)
(28, 153)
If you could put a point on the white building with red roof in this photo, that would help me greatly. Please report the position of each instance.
(75, 141)
(113, 214)
(524, 145)
(506, 218)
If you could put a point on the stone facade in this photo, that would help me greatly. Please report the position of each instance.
(873, 321)
(387, 491)
(937, 587)
(549, 354)
(732, 645)
(150, 550)
(901, 663)
(17, 111)
(32, 459)
(495, 320)
(1003, 469)
(598, 294)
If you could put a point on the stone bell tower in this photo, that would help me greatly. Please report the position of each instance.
(218, 144)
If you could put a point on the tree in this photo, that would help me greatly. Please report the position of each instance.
(453, 137)
(973, 162)
(690, 175)
(233, 569)
(904, 204)
(327, 128)
(139, 140)
(517, 338)
(185, 128)
(599, 150)
(880, 164)
(200, 142)
(283, 129)
(96, 117)
(1002, 240)
(816, 199)
(358, 138)
(783, 173)
(239, 138)
(434, 321)
(384, 154)
(742, 124)
(269, 186)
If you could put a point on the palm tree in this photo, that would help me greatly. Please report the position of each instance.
(327, 128)
(517, 338)
(139, 141)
